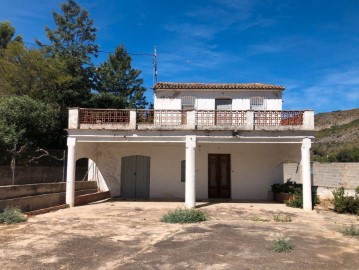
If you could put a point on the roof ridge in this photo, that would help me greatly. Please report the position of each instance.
(196, 85)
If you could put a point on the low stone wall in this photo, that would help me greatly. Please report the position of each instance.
(16, 191)
(326, 176)
(38, 196)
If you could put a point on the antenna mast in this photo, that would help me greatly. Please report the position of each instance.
(155, 74)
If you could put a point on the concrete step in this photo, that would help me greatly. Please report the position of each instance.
(89, 198)
(36, 202)
(46, 210)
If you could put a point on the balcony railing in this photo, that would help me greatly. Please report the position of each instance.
(161, 117)
(190, 120)
(220, 118)
(278, 118)
(95, 116)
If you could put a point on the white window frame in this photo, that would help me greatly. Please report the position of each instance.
(258, 103)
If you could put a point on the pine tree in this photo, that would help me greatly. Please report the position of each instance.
(116, 76)
(7, 32)
(73, 41)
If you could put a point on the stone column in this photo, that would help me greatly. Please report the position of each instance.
(190, 192)
(306, 176)
(71, 168)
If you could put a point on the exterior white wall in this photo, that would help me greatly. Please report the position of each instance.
(254, 167)
(205, 103)
(167, 103)
(89, 150)
(205, 100)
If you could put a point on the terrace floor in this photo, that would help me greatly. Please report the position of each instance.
(129, 235)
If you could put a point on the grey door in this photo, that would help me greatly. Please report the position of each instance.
(135, 177)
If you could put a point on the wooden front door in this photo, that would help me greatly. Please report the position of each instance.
(219, 176)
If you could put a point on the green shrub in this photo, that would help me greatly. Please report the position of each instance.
(288, 187)
(345, 204)
(184, 216)
(348, 155)
(12, 215)
(350, 231)
(282, 244)
(297, 201)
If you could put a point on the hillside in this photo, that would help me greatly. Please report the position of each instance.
(337, 134)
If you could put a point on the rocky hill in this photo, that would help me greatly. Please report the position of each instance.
(336, 133)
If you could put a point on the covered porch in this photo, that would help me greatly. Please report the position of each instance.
(201, 166)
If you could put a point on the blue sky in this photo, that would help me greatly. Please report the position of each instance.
(309, 46)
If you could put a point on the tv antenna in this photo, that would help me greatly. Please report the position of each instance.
(155, 74)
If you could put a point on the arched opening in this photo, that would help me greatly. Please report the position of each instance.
(87, 170)
(82, 166)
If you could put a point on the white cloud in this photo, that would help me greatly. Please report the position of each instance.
(335, 90)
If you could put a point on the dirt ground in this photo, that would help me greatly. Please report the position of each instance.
(129, 235)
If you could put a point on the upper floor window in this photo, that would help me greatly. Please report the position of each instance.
(188, 103)
(223, 104)
(258, 103)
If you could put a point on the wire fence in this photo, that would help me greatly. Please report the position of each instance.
(37, 165)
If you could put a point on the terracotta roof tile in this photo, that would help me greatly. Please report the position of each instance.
(221, 86)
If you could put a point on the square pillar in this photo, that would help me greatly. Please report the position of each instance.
(190, 186)
(71, 169)
(306, 177)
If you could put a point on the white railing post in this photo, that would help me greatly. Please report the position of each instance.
(133, 116)
(191, 120)
(308, 120)
(249, 125)
(74, 118)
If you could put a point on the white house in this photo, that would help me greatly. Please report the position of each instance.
(201, 141)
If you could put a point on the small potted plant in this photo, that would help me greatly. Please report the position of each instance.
(285, 192)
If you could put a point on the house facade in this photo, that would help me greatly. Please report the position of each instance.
(200, 142)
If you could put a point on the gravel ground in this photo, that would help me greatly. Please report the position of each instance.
(129, 235)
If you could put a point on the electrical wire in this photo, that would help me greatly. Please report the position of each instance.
(100, 51)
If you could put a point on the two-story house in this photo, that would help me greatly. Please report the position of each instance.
(201, 141)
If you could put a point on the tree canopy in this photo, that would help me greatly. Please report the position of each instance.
(29, 72)
(7, 33)
(116, 76)
(27, 122)
(73, 41)
(37, 85)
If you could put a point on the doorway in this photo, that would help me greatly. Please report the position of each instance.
(135, 177)
(219, 176)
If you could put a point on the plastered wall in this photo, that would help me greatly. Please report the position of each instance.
(254, 167)
(206, 100)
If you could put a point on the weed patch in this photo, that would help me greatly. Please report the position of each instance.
(282, 218)
(262, 219)
(282, 244)
(12, 215)
(350, 231)
(184, 216)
